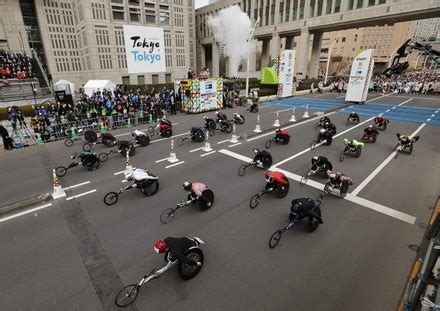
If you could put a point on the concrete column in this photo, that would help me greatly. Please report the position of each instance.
(275, 44)
(265, 55)
(202, 57)
(333, 7)
(215, 60)
(324, 7)
(289, 42)
(303, 53)
(376, 2)
(316, 53)
(277, 13)
(315, 9)
(355, 4)
(291, 11)
(263, 16)
(307, 9)
(297, 9)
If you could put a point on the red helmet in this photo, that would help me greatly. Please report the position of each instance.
(160, 246)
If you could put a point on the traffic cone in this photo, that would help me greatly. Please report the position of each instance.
(58, 191)
(128, 165)
(292, 118)
(39, 140)
(172, 158)
(306, 114)
(257, 127)
(207, 147)
(277, 121)
(234, 138)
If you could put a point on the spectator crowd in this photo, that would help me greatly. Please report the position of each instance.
(15, 65)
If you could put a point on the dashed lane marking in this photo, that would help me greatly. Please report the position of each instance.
(118, 173)
(178, 163)
(230, 146)
(80, 195)
(161, 160)
(208, 153)
(77, 185)
(196, 149)
(25, 212)
(223, 141)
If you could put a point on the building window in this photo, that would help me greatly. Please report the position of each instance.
(155, 79)
(164, 18)
(118, 13)
(141, 80)
(135, 15)
(168, 78)
(150, 16)
(343, 39)
(126, 80)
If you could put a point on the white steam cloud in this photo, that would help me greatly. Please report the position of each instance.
(231, 27)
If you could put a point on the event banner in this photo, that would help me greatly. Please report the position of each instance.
(145, 49)
(361, 68)
(286, 68)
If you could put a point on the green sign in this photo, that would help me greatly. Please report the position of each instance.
(268, 76)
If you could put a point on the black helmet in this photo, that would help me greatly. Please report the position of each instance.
(187, 186)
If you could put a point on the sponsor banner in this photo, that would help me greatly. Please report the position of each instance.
(360, 74)
(145, 49)
(286, 68)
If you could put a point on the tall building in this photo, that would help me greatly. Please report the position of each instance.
(426, 29)
(83, 39)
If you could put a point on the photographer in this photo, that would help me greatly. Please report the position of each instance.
(12, 117)
(7, 141)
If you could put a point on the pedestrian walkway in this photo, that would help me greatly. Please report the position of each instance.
(306, 102)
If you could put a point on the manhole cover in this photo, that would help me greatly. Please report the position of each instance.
(413, 247)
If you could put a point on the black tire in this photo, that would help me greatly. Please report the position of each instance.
(267, 161)
(373, 140)
(124, 150)
(228, 128)
(411, 147)
(268, 143)
(111, 198)
(212, 126)
(91, 163)
(286, 140)
(127, 295)
(181, 141)
(275, 239)
(108, 140)
(87, 147)
(187, 272)
(328, 141)
(283, 190)
(303, 180)
(342, 157)
(91, 136)
(60, 171)
(253, 203)
(150, 188)
(68, 142)
(166, 216)
(103, 157)
(313, 145)
(143, 140)
(151, 129)
(242, 170)
(313, 222)
(167, 132)
(344, 188)
(358, 152)
(384, 126)
(206, 201)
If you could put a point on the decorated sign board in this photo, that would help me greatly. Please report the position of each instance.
(285, 73)
(201, 95)
(360, 76)
(145, 49)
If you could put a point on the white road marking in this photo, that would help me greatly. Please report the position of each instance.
(308, 149)
(223, 141)
(118, 173)
(178, 163)
(80, 195)
(340, 96)
(290, 126)
(25, 212)
(161, 160)
(235, 155)
(205, 154)
(77, 185)
(428, 119)
(230, 146)
(381, 166)
(288, 109)
(433, 115)
(406, 101)
(388, 110)
(196, 149)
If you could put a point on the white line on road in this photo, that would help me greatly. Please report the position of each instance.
(235, 155)
(230, 146)
(161, 160)
(77, 185)
(290, 126)
(178, 163)
(433, 115)
(340, 96)
(118, 173)
(428, 119)
(205, 154)
(308, 149)
(80, 195)
(196, 149)
(25, 212)
(223, 141)
(406, 101)
(288, 109)
(381, 166)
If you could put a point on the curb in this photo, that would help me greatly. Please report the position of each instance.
(267, 130)
(24, 203)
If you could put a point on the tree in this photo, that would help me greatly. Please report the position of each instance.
(338, 66)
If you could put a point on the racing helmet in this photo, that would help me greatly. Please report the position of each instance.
(269, 178)
(187, 186)
(278, 131)
(133, 133)
(257, 151)
(160, 246)
(128, 174)
(370, 126)
(315, 158)
(322, 131)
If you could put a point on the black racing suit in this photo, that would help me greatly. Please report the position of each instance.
(330, 127)
(301, 208)
(353, 116)
(260, 156)
(324, 120)
(177, 248)
(321, 162)
(327, 135)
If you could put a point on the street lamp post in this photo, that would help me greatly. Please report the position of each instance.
(251, 34)
(328, 58)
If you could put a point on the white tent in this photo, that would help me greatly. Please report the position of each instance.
(95, 85)
(64, 85)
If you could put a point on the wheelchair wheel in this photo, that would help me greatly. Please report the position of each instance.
(103, 157)
(313, 222)
(60, 171)
(68, 142)
(283, 190)
(167, 132)
(143, 140)
(253, 203)
(286, 140)
(228, 128)
(275, 239)
(87, 147)
(181, 141)
(342, 157)
(344, 188)
(358, 152)
(328, 141)
(167, 216)
(206, 201)
(108, 140)
(111, 198)
(186, 271)
(313, 145)
(150, 188)
(267, 161)
(91, 136)
(303, 180)
(242, 169)
(268, 143)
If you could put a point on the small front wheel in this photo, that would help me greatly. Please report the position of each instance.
(180, 141)
(103, 157)
(303, 180)
(167, 216)
(275, 239)
(242, 170)
(68, 142)
(268, 143)
(111, 198)
(342, 157)
(313, 145)
(253, 203)
(87, 147)
(151, 129)
(127, 295)
(60, 171)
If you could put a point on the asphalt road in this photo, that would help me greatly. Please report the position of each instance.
(77, 254)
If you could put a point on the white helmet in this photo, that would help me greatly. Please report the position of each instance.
(315, 158)
(322, 131)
